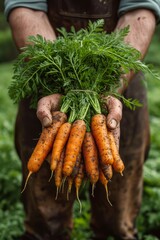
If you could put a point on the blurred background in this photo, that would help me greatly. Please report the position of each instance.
(11, 210)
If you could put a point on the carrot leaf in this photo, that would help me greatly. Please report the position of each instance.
(81, 65)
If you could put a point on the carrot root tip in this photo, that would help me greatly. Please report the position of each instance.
(106, 188)
(68, 192)
(50, 176)
(57, 191)
(84, 183)
(63, 183)
(80, 204)
(121, 174)
(25, 185)
(93, 187)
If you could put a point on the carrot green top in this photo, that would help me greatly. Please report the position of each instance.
(83, 66)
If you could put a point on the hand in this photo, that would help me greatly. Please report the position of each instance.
(45, 106)
(114, 107)
(52, 103)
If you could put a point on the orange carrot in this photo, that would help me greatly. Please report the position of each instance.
(70, 180)
(58, 173)
(107, 170)
(73, 147)
(118, 164)
(104, 181)
(76, 166)
(100, 133)
(78, 181)
(44, 144)
(74, 173)
(59, 143)
(91, 159)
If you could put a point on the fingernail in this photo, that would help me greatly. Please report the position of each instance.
(46, 122)
(113, 123)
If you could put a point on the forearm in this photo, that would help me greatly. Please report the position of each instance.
(25, 22)
(142, 25)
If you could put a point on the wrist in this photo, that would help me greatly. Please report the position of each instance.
(25, 22)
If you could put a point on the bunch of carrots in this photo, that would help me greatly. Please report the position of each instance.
(77, 153)
(82, 66)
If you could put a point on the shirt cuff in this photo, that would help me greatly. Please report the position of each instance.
(36, 5)
(129, 5)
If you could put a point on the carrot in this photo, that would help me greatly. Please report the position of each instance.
(100, 133)
(104, 181)
(118, 164)
(78, 181)
(76, 166)
(59, 143)
(58, 173)
(107, 170)
(74, 173)
(70, 180)
(91, 159)
(73, 147)
(44, 144)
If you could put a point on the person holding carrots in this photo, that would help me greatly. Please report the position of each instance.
(47, 218)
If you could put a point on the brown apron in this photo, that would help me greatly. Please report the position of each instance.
(63, 13)
(47, 218)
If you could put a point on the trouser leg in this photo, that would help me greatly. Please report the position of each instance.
(125, 192)
(46, 218)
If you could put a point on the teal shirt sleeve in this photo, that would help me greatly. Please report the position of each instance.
(129, 5)
(40, 5)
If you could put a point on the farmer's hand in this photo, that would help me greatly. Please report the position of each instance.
(52, 103)
(114, 107)
(45, 106)
(44, 109)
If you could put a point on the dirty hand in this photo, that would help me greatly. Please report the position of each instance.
(52, 103)
(44, 109)
(114, 107)
(45, 106)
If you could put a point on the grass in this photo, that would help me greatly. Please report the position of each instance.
(149, 218)
(11, 210)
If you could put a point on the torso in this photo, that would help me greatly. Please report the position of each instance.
(67, 13)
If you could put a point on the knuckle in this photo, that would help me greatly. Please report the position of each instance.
(41, 113)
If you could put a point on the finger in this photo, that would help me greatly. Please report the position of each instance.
(114, 116)
(45, 106)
